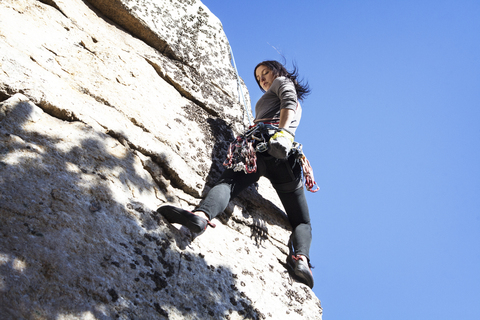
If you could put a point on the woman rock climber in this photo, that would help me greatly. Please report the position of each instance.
(278, 107)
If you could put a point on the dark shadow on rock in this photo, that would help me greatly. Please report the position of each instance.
(221, 135)
(68, 246)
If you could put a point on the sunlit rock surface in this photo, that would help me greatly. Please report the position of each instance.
(109, 109)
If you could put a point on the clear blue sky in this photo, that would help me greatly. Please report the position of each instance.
(392, 129)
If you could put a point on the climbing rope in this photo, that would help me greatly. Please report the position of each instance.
(241, 96)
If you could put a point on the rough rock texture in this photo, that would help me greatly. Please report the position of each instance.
(109, 109)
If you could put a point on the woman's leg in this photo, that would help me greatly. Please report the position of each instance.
(296, 208)
(229, 185)
(286, 178)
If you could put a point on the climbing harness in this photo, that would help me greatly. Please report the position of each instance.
(239, 88)
(242, 153)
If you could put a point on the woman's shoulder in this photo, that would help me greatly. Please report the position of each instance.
(281, 81)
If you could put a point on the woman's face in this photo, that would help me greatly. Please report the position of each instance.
(264, 77)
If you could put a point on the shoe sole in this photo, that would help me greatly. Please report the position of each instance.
(303, 276)
(193, 222)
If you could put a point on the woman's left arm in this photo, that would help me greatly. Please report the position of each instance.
(286, 117)
(285, 91)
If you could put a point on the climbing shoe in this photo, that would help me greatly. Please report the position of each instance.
(193, 222)
(301, 268)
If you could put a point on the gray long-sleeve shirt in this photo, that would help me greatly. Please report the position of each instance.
(280, 95)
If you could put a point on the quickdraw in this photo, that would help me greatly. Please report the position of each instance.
(307, 169)
(308, 175)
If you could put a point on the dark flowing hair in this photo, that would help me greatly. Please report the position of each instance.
(279, 70)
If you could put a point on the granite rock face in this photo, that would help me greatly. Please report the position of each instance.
(108, 110)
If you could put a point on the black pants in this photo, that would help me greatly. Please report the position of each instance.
(286, 178)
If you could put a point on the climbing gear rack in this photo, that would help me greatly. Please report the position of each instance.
(242, 153)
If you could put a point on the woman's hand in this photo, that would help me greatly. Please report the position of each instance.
(280, 144)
